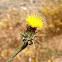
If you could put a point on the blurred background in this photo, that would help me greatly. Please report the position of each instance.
(13, 15)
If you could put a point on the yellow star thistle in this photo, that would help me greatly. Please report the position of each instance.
(34, 20)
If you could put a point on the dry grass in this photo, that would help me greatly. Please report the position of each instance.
(13, 24)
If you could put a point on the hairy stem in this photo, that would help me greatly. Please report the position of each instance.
(24, 46)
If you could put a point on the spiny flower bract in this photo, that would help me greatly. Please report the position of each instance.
(34, 20)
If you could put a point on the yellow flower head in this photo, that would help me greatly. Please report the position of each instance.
(34, 20)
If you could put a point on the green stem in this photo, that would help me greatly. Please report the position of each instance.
(24, 46)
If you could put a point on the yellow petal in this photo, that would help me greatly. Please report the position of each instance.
(34, 20)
